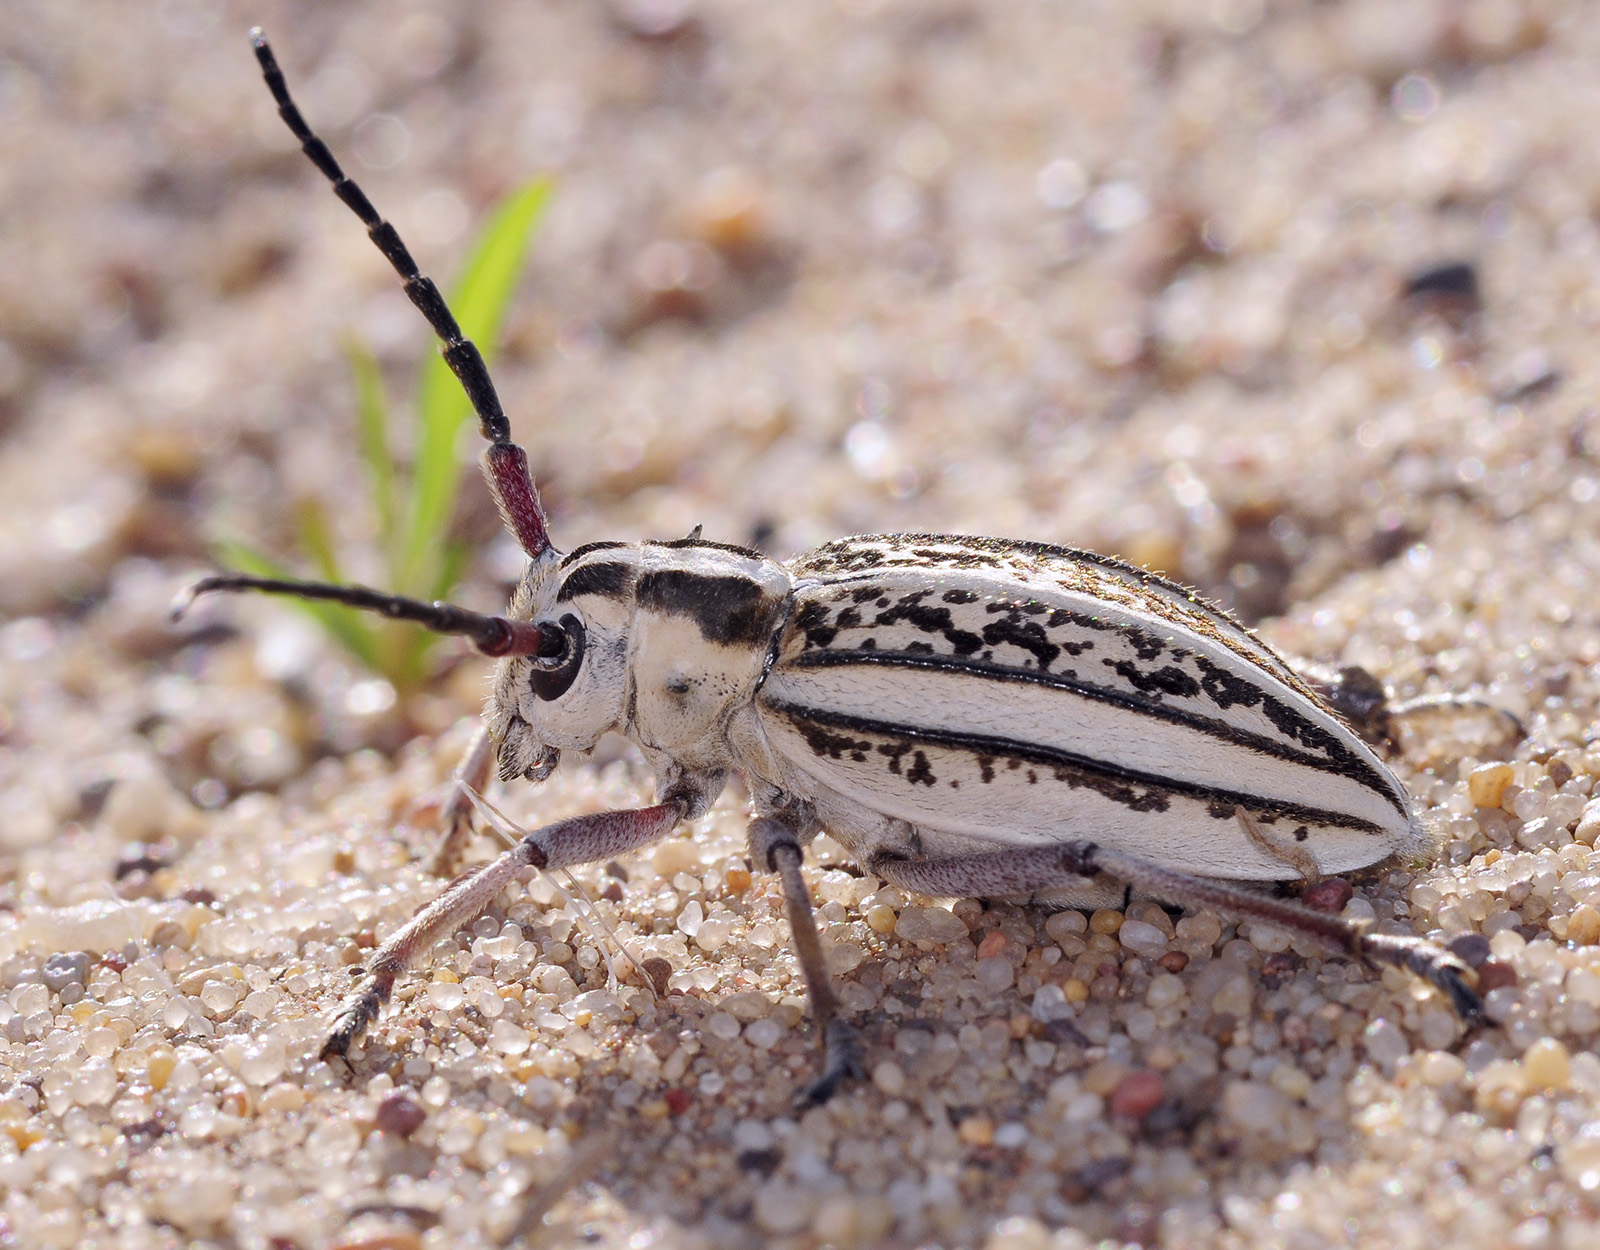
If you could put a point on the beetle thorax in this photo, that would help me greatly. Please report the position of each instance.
(660, 641)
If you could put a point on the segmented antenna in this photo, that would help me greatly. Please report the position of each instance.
(505, 463)
(492, 635)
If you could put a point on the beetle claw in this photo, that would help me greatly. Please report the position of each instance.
(841, 1062)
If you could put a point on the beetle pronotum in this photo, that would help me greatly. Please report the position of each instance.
(966, 716)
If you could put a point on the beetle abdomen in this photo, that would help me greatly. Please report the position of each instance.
(1016, 694)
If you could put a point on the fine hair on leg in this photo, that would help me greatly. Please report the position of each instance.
(775, 847)
(1020, 873)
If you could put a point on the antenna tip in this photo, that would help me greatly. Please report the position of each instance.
(184, 600)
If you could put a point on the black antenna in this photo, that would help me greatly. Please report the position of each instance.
(492, 635)
(506, 464)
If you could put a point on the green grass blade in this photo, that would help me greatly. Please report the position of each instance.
(373, 411)
(316, 537)
(347, 625)
(480, 300)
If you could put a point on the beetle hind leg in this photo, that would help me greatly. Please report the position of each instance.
(1019, 873)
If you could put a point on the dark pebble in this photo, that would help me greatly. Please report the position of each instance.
(1471, 949)
(1453, 280)
(400, 1115)
(1495, 975)
(1328, 896)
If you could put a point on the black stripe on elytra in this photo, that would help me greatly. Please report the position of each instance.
(1134, 788)
(1339, 759)
(609, 579)
(728, 608)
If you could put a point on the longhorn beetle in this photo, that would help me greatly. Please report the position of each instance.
(966, 716)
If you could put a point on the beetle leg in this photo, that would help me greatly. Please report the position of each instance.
(581, 840)
(776, 846)
(1297, 857)
(1024, 872)
(472, 774)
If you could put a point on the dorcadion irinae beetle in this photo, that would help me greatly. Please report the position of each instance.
(966, 716)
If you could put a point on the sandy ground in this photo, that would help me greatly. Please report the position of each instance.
(1294, 301)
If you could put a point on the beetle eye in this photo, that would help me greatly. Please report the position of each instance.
(560, 656)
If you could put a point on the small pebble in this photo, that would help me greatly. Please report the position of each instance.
(929, 924)
(890, 1078)
(1487, 783)
(283, 1097)
(994, 975)
(1496, 975)
(1500, 1088)
(1329, 896)
(1385, 1043)
(678, 855)
(1548, 1064)
(1137, 1094)
(400, 1115)
(386, 1237)
(1583, 925)
(1471, 949)
(1106, 920)
(783, 1207)
(1065, 924)
(1440, 1068)
(1253, 1106)
(1588, 826)
(160, 1060)
(976, 1130)
(508, 1038)
(66, 967)
(1142, 939)
(659, 971)
(992, 944)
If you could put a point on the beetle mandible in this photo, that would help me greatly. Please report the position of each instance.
(965, 716)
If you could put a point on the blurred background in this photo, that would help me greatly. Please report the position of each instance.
(1293, 301)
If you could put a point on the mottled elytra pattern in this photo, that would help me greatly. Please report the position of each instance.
(1019, 693)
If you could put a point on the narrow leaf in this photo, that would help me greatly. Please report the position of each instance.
(316, 537)
(373, 410)
(480, 301)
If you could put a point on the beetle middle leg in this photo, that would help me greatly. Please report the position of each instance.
(778, 847)
(1023, 872)
(581, 840)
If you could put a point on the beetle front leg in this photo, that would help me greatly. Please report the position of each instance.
(1031, 871)
(581, 840)
(776, 846)
(456, 814)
